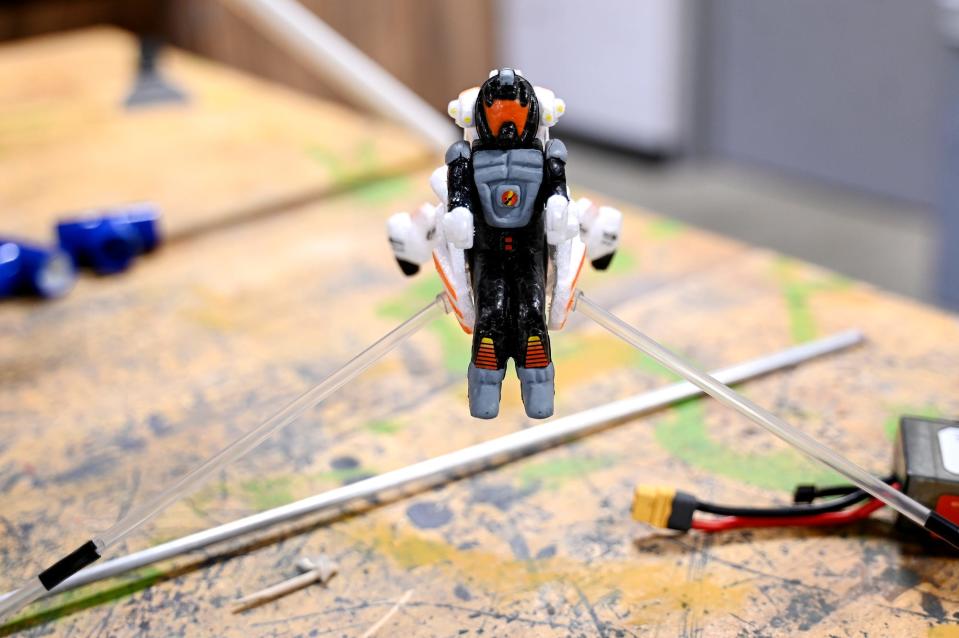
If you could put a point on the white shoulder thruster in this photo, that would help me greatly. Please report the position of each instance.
(461, 110)
(551, 108)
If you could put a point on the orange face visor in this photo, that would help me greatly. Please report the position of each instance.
(503, 111)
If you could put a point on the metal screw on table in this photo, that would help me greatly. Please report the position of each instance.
(316, 569)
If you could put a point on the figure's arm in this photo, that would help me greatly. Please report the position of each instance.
(414, 236)
(601, 230)
(458, 221)
(555, 153)
(600, 227)
(559, 224)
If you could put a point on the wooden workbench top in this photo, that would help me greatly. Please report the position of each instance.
(112, 392)
(240, 147)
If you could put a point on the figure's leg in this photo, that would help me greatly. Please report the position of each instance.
(534, 366)
(490, 336)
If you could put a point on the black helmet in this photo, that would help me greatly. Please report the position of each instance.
(507, 112)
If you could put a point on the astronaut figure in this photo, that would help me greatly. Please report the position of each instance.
(506, 240)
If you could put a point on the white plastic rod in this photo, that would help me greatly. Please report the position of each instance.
(892, 497)
(304, 35)
(450, 466)
(93, 549)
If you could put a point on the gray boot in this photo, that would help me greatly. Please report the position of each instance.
(537, 386)
(484, 391)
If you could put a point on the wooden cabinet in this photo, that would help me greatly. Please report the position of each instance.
(438, 48)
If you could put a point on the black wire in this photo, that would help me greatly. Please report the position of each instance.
(806, 494)
(838, 490)
(832, 505)
(847, 495)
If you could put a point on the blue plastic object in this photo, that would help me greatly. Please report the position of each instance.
(108, 241)
(28, 269)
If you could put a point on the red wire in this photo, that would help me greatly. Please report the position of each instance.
(815, 520)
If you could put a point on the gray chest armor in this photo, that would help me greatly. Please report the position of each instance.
(508, 183)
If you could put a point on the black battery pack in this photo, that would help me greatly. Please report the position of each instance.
(927, 464)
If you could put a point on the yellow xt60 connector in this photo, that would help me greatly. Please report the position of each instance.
(653, 504)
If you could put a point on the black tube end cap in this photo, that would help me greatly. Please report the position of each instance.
(943, 528)
(69, 565)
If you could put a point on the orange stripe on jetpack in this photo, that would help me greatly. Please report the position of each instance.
(572, 288)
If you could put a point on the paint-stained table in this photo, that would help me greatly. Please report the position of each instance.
(278, 272)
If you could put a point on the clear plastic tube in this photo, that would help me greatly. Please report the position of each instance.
(450, 466)
(22, 597)
(139, 515)
(727, 396)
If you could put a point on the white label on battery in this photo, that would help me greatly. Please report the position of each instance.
(949, 448)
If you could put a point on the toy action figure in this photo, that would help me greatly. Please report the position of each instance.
(506, 240)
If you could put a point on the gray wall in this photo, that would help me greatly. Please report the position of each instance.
(845, 91)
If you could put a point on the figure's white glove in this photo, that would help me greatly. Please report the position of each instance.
(601, 230)
(458, 227)
(560, 225)
(413, 237)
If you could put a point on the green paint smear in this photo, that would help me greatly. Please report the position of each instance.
(367, 154)
(647, 364)
(362, 160)
(383, 427)
(567, 346)
(412, 299)
(455, 345)
(654, 368)
(571, 345)
(553, 473)
(664, 228)
(798, 293)
(685, 437)
(267, 493)
(201, 500)
(333, 164)
(357, 172)
(346, 474)
(623, 262)
(382, 191)
(77, 600)
(890, 426)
